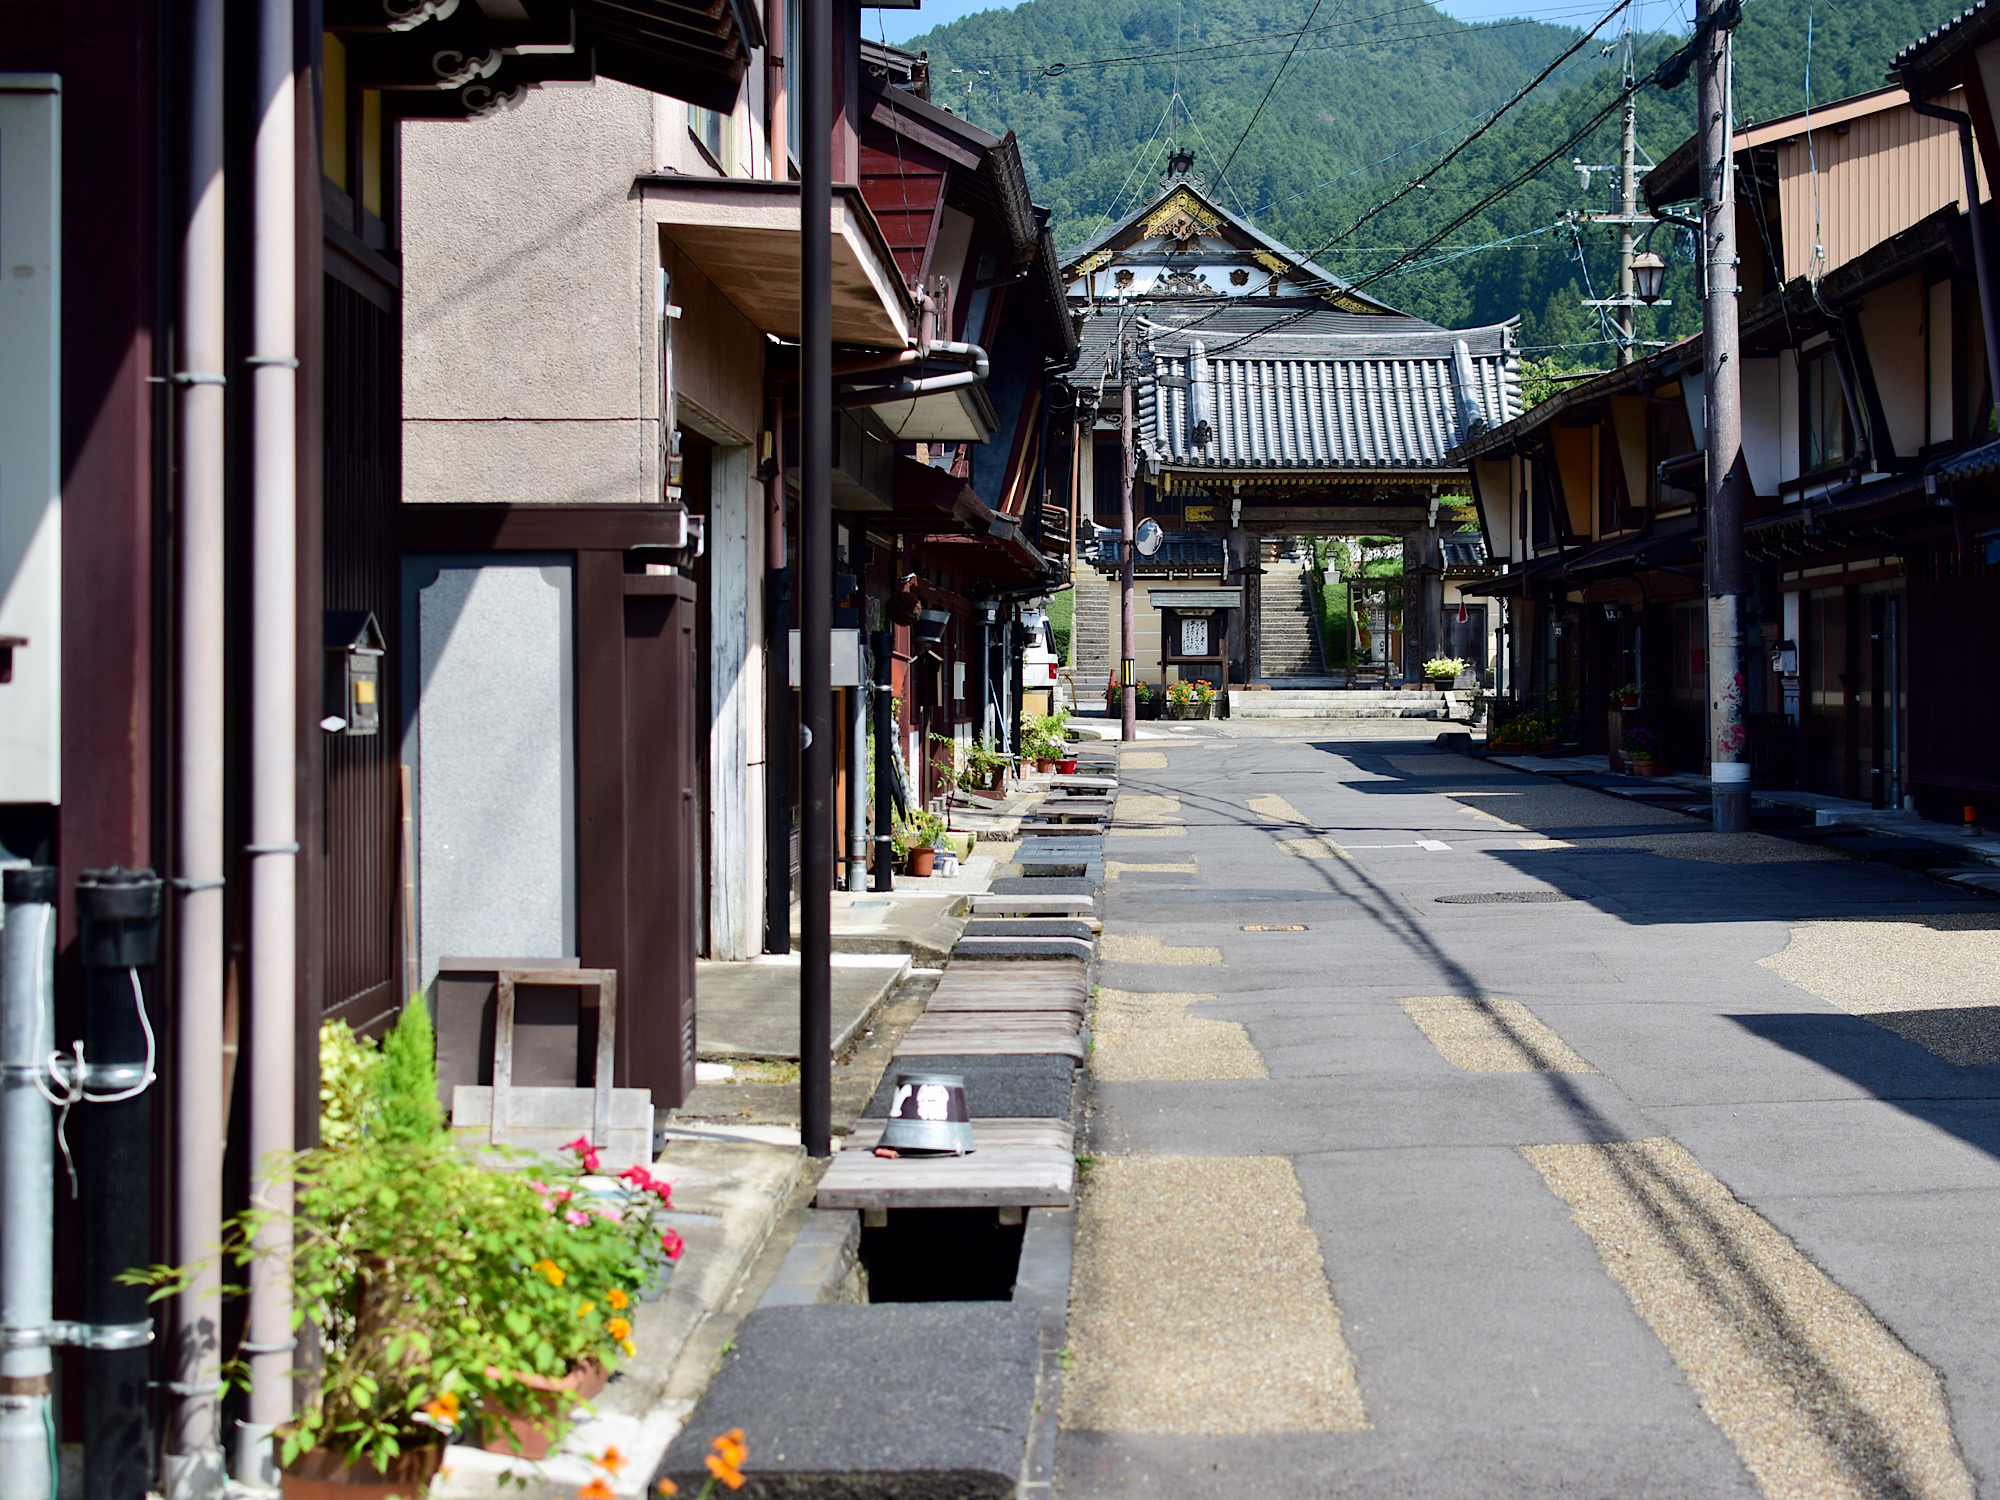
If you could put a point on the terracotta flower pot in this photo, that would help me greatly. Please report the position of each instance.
(1646, 767)
(326, 1475)
(532, 1429)
(1628, 700)
(921, 861)
(1044, 765)
(1551, 746)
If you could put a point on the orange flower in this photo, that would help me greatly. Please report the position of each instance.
(610, 1460)
(597, 1489)
(666, 1487)
(618, 1328)
(726, 1463)
(557, 1276)
(616, 1300)
(443, 1409)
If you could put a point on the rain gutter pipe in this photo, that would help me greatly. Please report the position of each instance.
(274, 750)
(118, 935)
(27, 1184)
(815, 583)
(191, 1467)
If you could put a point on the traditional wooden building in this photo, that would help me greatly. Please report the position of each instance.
(1867, 414)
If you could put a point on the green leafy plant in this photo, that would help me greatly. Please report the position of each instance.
(1444, 668)
(920, 829)
(440, 1291)
(1619, 695)
(1640, 744)
(1524, 731)
(1044, 738)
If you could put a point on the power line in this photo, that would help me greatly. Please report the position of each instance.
(1416, 182)
(1254, 118)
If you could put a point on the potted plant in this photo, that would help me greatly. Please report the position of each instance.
(1044, 743)
(1640, 750)
(1626, 697)
(1180, 701)
(1440, 672)
(1204, 698)
(1147, 701)
(442, 1295)
(916, 840)
(1520, 735)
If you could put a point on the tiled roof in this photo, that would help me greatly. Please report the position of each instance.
(1292, 401)
(1947, 34)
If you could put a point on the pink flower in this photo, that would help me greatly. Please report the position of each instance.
(671, 1243)
(646, 1182)
(576, 1216)
(582, 1147)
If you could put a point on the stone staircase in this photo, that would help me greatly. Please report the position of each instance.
(1090, 634)
(1290, 645)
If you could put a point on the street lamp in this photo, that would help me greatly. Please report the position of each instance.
(1649, 277)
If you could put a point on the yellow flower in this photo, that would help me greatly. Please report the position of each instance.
(629, 1347)
(616, 1299)
(618, 1328)
(443, 1409)
(586, 1309)
(557, 1276)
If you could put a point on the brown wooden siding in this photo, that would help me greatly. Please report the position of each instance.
(1848, 193)
(358, 837)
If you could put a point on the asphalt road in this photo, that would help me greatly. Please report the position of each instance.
(1590, 1193)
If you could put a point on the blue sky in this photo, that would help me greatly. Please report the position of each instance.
(901, 25)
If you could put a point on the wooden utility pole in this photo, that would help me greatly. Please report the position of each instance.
(1628, 210)
(1729, 740)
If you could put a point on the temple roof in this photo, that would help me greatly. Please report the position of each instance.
(1182, 244)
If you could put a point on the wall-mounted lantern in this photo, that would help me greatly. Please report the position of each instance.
(1785, 659)
(354, 652)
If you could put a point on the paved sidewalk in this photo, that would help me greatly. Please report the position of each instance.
(1459, 1132)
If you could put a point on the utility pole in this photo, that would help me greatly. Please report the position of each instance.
(1129, 692)
(1628, 210)
(1729, 748)
(815, 590)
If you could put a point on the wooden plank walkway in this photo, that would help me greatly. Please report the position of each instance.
(987, 1034)
(1058, 984)
(1014, 1164)
(1034, 906)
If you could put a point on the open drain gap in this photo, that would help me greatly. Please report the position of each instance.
(1504, 898)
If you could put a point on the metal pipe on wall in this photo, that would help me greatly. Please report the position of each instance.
(118, 935)
(274, 750)
(885, 766)
(778, 734)
(1129, 696)
(192, 1463)
(27, 1183)
(857, 783)
(815, 65)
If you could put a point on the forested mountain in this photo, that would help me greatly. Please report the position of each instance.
(1376, 91)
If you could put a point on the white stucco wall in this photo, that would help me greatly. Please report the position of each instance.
(528, 358)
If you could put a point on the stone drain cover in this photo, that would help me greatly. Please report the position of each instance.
(1505, 898)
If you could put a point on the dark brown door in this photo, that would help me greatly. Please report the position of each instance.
(1826, 697)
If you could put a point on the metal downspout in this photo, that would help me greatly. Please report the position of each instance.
(27, 1183)
(815, 583)
(274, 750)
(192, 1468)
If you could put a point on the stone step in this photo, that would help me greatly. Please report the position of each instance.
(1334, 703)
